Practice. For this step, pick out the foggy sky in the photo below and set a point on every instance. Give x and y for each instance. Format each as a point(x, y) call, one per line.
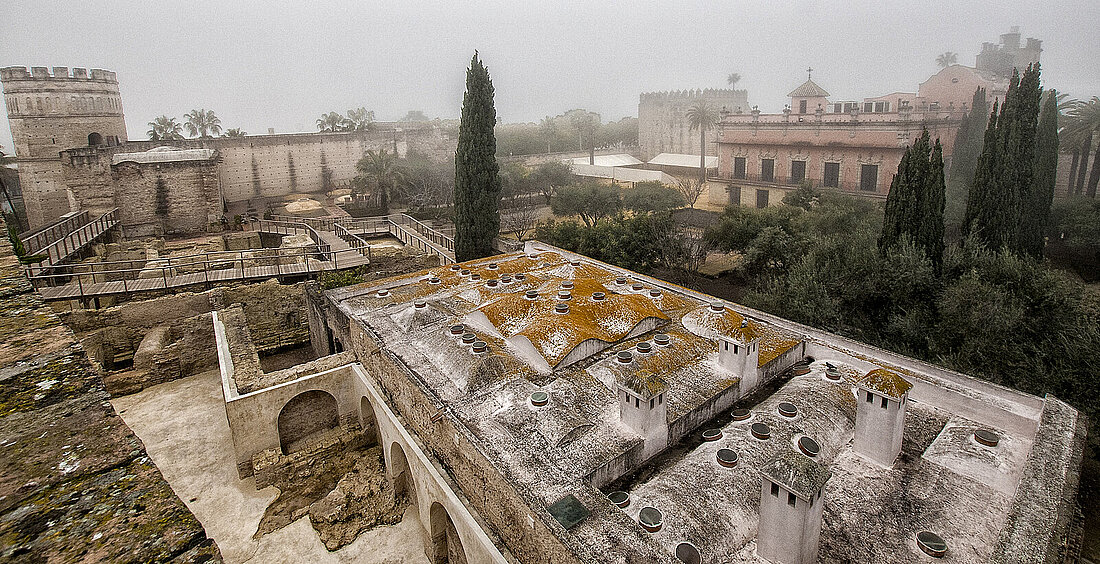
point(282, 64)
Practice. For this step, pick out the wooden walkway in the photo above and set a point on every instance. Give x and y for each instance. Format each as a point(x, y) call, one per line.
point(64, 238)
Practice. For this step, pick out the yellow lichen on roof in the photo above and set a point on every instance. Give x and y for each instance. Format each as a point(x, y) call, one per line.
point(886, 382)
point(726, 323)
point(684, 348)
point(646, 383)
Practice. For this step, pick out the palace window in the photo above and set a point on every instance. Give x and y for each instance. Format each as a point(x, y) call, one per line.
point(802, 106)
point(832, 175)
point(868, 178)
point(798, 171)
point(761, 198)
point(739, 167)
point(767, 169)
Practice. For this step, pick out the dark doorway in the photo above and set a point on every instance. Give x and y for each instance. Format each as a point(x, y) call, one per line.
point(832, 175)
point(767, 170)
point(305, 415)
point(761, 198)
point(94, 139)
point(868, 178)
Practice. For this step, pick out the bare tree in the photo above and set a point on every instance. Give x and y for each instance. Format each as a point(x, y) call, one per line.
point(691, 190)
point(522, 217)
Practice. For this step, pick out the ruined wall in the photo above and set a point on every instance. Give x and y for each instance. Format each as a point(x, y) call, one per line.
point(663, 126)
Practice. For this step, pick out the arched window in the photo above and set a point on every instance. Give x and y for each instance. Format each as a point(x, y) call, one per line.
point(94, 139)
point(307, 414)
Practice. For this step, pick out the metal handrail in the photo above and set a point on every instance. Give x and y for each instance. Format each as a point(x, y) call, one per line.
point(59, 250)
point(38, 239)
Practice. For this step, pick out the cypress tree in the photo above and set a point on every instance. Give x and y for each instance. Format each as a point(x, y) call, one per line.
point(477, 182)
point(1033, 220)
point(968, 141)
point(915, 204)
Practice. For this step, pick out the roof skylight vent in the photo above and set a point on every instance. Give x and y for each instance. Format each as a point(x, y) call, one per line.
point(931, 544)
point(832, 372)
point(480, 347)
point(740, 414)
point(655, 293)
point(717, 307)
point(620, 498)
point(637, 286)
point(531, 294)
point(420, 304)
point(644, 347)
point(539, 398)
point(650, 519)
point(987, 438)
point(475, 276)
point(520, 277)
point(567, 285)
point(492, 282)
point(561, 308)
point(458, 329)
point(620, 280)
point(383, 293)
point(468, 338)
point(688, 553)
point(726, 457)
point(711, 435)
point(464, 272)
point(624, 357)
point(456, 267)
point(808, 446)
point(760, 431)
point(492, 266)
point(564, 295)
point(599, 296)
point(506, 279)
point(434, 280)
point(788, 409)
point(662, 339)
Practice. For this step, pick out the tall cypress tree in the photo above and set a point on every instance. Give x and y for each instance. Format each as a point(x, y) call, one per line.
point(477, 182)
point(1002, 186)
point(1036, 214)
point(968, 142)
point(914, 207)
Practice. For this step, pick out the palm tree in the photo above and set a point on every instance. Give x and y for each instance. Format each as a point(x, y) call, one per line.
point(165, 128)
point(202, 123)
point(331, 122)
point(702, 116)
point(360, 119)
point(1084, 120)
point(947, 59)
point(234, 132)
point(733, 79)
point(380, 170)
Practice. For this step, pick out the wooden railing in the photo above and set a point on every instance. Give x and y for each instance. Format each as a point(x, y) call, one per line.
point(67, 245)
point(34, 241)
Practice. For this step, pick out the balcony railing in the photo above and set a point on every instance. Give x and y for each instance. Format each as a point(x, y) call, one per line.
point(787, 181)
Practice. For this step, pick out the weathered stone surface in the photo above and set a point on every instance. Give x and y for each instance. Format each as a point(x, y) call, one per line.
point(75, 483)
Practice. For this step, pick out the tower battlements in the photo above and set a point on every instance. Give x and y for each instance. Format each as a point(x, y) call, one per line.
point(8, 74)
point(692, 94)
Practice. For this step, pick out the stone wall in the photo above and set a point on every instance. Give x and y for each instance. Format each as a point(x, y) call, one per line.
point(71, 467)
point(663, 126)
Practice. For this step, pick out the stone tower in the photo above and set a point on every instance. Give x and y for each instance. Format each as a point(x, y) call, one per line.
point(791, 504)
point(53, 111)
point(882, 398)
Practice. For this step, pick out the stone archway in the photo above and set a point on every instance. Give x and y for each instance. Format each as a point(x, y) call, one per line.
point(305, 415)
point(401, 475)
point(94, 139)
point(368, 422)
point(445, 546)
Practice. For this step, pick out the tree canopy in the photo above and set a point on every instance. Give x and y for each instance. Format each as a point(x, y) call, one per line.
point(914, 206)
point(591, 200)
point(651, 197)
point(202, 123)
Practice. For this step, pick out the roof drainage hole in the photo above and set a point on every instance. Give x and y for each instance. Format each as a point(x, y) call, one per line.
point(532, 294)
point(434, 280)
point(726, 457)
point(688, 553)
point(760, 431)
point(456, 267)
point(620, 499)
point(788, 409)
point(987, 438)
point(712, 434)
point(740, 414)
point(599, 296)
point(717, 307)
point(540, 398)
point(808, 446)
point(650, 519)
point(931, 544)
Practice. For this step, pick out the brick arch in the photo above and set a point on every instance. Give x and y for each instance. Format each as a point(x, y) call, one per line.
point(446, 545)
point(305, 415)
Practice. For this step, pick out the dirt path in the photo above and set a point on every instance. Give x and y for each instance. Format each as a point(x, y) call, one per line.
point(184, 428)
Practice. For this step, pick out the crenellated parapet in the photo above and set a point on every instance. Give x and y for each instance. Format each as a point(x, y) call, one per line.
point(57, 73)
point(692, 94)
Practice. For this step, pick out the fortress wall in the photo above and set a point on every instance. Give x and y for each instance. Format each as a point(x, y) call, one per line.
point(662, 122)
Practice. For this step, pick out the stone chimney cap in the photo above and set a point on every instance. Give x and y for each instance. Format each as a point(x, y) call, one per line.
point(797, 473)
point(884, 382)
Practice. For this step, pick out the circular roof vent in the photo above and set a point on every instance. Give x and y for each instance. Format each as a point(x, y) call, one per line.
point(564, 295)
point(688, 553)
point(420, 304)
point(506, 279)
point(434, 280)
point(787, 409)
point(492, 266)
point(740, 414)
point(655, 293)
point(458, 329)
point(717, 307)
point(621, 499)
point(808, 446)
point(599, 296)
point(383, 293)
point(567, 285)
point(475, 276)
point(624, 357)
point(760, 431)
point(464, 272)
point(468, 338)
point(987, 438)
point(520, 277)
point(492, 282)
point(712, 435)
point(574, 263)
point(561, 308)
point(480, 347)
point(644, 347)
point(726, 457)
point(931, 544)
point(832, 372)
point(531, 294)
point(620, 280)
point(637, 286)
point(650, 519)
point(662, 339)
point(456, 267)
point(539, 398)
